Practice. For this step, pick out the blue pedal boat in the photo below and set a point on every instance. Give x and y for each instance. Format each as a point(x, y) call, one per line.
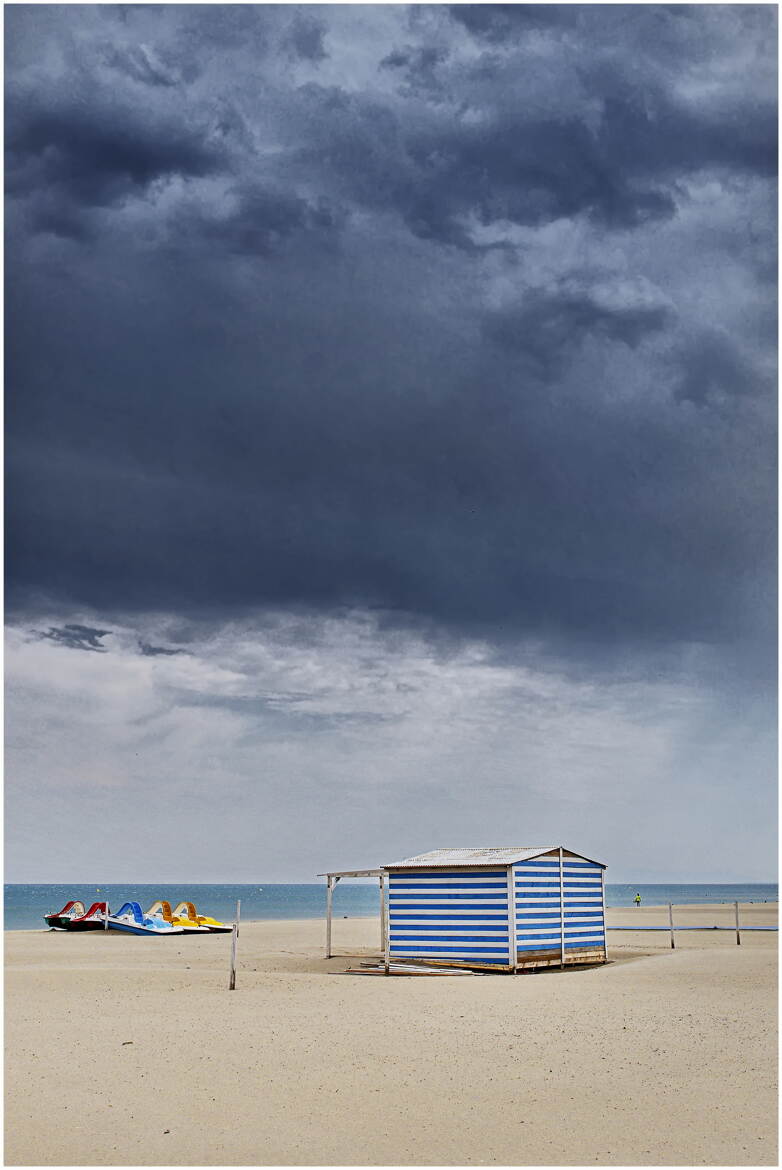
point(132, 920)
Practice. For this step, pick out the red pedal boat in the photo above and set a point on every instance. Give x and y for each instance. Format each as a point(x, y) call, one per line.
point(94, 919)
point(64, 917)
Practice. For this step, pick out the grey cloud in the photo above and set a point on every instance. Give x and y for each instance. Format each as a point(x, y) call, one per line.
point(95, 156)
point(521, 166)
point(145, 66)
point(338, 364)
point(712, 370)
point(505, 167)
point(303, 764)
point(499, 22)
point(260, 221)
point(433, 162)
point(418, 64)
point(77, 637)
point(653, 133)
point(462, 320)
point(150, 651)
point(305, 37)
point(549, 325)
point(48, 214)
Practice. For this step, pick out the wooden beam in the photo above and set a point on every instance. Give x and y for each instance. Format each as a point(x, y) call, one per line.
point(354, 873)
point(329, 891)
point(382, 912)
point(387, 936)
point(561, 910)
point(670, 920)
point(738, 928)
point(512, 952)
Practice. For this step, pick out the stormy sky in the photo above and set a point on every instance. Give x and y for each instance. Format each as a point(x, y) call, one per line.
point(391, 437)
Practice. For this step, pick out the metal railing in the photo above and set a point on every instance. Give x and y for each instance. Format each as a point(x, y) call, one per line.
point(671, 928)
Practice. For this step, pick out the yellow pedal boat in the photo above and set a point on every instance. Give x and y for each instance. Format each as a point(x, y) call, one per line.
point(186, 916)
point(162, 909)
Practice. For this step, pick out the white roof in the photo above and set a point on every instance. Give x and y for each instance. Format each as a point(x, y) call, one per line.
point(497, 856)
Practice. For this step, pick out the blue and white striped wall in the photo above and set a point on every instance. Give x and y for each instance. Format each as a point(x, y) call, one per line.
point(464, 916)
point(538, 910)
point(457, 915)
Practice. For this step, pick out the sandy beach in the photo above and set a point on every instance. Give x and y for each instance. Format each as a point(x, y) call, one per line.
point(131, 1051)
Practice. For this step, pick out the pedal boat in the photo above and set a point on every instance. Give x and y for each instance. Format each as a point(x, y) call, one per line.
point(94, 919)
point(187, 915)
point(132, 920)
point(183, 922)
point(61, 920)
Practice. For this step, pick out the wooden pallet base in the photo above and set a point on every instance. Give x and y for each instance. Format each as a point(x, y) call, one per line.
point(401, 969)
point(554, 958)
point(526, 961)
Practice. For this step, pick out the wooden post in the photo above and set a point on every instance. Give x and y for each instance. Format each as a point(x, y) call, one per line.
point(670, 920)
point(232, 977)
point(512, 952)
point(382, 912)
point(387, 939)
point(329, 889)
point(738, 928)
point(105, 916)
point(561, 911)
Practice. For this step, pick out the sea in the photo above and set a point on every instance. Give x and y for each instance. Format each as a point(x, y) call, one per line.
point(25, 905)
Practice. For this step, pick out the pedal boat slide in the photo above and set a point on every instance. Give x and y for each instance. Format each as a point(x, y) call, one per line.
point(94, 919)
point(186, 913)
point(131, 919)
point(62, 919)
point(186, 916)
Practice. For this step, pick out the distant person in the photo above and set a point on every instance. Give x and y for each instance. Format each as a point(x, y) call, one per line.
point(638, 899)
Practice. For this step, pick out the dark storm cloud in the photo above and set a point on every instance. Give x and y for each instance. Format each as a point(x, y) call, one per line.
point(548, 327)
point(713, 370)
point(418, 65)
point(649, 133)
point(498, 22)
point(408, 308)
point(508, 167)
point(98, 156)
point(66, 159)
point(472, 150)
point(305, 38)
point(150, 651)
point(142, 65)
point(260, 221)
point(77, 637)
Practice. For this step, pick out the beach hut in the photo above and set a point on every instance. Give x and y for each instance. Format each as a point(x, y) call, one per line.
point(502, 909)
